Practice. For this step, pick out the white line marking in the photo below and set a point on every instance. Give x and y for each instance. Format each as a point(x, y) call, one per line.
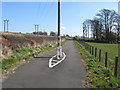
point(51, 59)
point(55, 60)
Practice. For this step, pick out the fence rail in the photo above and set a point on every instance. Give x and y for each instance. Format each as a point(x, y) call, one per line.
point(97, 53)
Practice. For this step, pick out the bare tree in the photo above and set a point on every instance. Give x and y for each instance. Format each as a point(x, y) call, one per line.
point(104, 27)
point(117, 27)
point(96, 28)
point(53, 33)
point(108, 18)
point(86, 28)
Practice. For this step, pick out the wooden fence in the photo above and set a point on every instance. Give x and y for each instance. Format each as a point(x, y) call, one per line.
point(97, 53)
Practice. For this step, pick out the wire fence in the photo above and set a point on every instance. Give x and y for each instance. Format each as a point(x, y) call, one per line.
point(102, 56)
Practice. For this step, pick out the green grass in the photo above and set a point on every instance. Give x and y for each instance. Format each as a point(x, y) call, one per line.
point(24, 54)
point(112, 49)
point(98, 76)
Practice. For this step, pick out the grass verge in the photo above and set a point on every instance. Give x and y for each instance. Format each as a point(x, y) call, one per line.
point(24, 55)
point(98, 76)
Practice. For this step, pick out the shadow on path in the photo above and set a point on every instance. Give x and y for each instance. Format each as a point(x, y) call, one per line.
point(45, 58)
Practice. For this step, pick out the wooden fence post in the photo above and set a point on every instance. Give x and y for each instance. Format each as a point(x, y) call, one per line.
point(116, 66)
point(95, 52)
point(92, 50)
point(106, 59)
point(84, 43)
point(99, 55)
point(85, 46)
point(89, 48)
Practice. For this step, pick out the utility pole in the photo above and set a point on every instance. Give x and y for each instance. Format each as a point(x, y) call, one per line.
point(4, 25)
point(60, 55)
point(37, 28)
point(58, 17)
point(7, 24)
point(59, 48)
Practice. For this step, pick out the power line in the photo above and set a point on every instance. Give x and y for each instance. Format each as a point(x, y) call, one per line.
point(45, 4)
point(50, 6)
point(43, 11)
point(39, 15)
point(43, 8)
point(40, 10)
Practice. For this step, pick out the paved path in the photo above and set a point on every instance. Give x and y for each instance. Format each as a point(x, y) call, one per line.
point(68, 74)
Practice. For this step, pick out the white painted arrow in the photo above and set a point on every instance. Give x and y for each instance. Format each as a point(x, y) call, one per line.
point(56, 62)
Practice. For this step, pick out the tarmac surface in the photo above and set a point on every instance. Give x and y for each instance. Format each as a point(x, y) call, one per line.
point(70, 73)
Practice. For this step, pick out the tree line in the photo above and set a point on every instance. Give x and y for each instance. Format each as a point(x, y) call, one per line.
point(45, 33)
point(105, 26)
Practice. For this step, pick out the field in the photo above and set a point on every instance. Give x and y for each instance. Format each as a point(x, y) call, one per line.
point(112, 49)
